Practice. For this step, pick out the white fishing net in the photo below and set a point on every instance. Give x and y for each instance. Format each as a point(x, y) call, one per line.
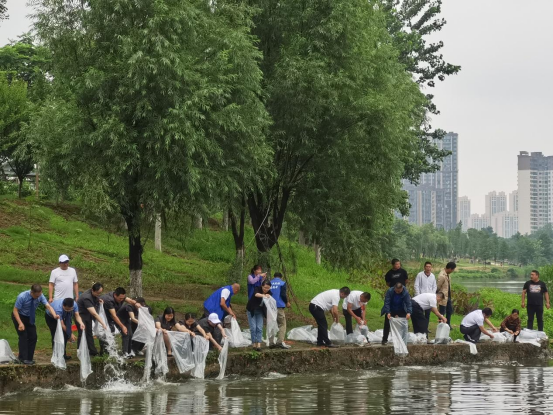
point(272, 314)
point(146, 330)
point(223, 355)
point(58, 351)
point(6, 354)
point(181, 345)
point(201, 348)
point(235, 336)
point(84, 357)
point(159, 353)
point(399, 327)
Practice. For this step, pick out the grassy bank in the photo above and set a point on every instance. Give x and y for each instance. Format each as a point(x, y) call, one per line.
point(191, 266)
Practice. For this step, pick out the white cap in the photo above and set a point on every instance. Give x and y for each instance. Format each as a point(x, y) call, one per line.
point(214, 318)
point(64, 258)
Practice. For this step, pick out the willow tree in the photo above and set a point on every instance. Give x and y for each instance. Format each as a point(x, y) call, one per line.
point(155, 104)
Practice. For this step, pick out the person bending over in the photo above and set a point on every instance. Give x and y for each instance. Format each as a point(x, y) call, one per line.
point(473, 325)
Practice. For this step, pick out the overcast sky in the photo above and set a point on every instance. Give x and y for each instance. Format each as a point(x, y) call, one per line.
point(499, 103)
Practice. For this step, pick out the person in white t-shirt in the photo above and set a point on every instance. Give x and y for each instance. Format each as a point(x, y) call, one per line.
point(473, 325)
point(63, 282)
point(354, 308)
point(421, 304)
point(323, 302)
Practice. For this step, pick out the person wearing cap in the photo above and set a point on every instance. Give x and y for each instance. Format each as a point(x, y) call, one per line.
point(208, 326)
point(66, 309)
point(63, 282)
point(23, 317)
point(219, 301)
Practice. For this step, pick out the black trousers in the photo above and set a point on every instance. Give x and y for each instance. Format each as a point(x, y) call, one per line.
point(447, 311)
point(349, 319)
point(27, 338)
point(535, 310)
point(399, 313)
point(322, 325)
point(420, 322)
point(87, 321)
point(126, 339)
point(52, 324)
point(473, 333)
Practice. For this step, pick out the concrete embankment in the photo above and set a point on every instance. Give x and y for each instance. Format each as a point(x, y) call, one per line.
point(300, 359)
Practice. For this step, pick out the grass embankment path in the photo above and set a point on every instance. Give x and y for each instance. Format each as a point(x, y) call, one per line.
point(33, 235)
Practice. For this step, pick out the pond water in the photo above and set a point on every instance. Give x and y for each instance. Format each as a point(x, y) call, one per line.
point(512, 285)
point(453, 389)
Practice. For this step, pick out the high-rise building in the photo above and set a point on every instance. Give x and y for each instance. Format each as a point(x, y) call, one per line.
point(434, 199)
point(478, 222)
point(463, 211)
point(535, 190)
point(505, 224)
point(495, 203)
point(513, 201)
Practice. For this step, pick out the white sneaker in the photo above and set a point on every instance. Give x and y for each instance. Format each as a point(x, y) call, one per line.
point(285, 346)
point(140, 353)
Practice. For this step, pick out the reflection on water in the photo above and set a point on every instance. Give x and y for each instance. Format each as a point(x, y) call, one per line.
point(461, 389)
point(474, 284)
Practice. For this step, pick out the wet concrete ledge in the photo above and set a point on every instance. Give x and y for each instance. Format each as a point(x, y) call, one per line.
point(19, 378)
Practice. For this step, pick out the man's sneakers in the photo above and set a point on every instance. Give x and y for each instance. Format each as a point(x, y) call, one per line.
point(67, 357)
point(384, 342)
point(28, 362)
point(469, 339)
point(284, 346)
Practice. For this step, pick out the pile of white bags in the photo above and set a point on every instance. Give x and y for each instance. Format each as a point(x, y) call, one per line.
point(419, 338)
point(6, 354)
point(235, 337)
point(84, 357)
point(223, 355)
point(531, 336)
point(201, 348)
point(442, 334)
point(58, 351)
point(357, 339)
point(181, 346)
point(400, 333)
point(302, 334)
point(337, 333)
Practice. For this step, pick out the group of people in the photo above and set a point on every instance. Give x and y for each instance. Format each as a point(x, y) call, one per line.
point(67, 304)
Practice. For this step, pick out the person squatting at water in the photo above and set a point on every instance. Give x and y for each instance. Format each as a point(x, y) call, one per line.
point(23, 317)
point(210, 328)
point(473, 325)
point(397, 303)
point(420, 305)
point(353, 307)
point(511, 324)
point(89, 303)
point(65, 308)
point(167, 322)
point(323, 302)
point(279, 293)
point(256, 311)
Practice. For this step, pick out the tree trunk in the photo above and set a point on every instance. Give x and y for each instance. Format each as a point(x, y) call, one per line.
point(198, 222)
point(19, 188)
point(135, 254)
point(225, 219)
point(317, 249)
point(157, 233)
point(301, 238)
point(237, 227)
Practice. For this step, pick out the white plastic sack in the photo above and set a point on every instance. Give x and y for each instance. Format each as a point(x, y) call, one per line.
point(527, 334)
point(374, 337)
point(442, 334)
point(84, 357)
point(473, 349)
point(6, 354)
point(418, 338)
point(357, 339)
point(58, 350)
point(380, 333)
point(302, 334)
point(337, 333)
point(364, 330)
point(201, 348)
point(272, 314)
point(159, 355)
point(533, 342)
point(400, 330)
point(235, 336)
point(146, 330)
point(148, 357)
point(181, 345)
point(223, 355)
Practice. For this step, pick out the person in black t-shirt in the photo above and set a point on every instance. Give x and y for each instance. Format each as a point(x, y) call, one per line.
point(535, 290)
point(126, 315)
point(165, 323)
point(138, 346)
point(396, 274)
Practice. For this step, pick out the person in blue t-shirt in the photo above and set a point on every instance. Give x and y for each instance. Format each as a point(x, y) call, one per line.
point(23, 317)
point(279, 293)
point(65, 308)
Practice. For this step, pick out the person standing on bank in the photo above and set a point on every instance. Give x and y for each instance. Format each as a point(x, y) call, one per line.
point(323, 302)
point(535, 290)
point(66, 309)
point(353, 307)
point(280, 294)
point(89, 303)
point(23, 317)
point(420, 305)
point(219, 302)
point(444, 286)
point(511, 324)
point(473, 325)
point(396, 274)
point(397, 303)
point(63, 282)
point(426, 283)
point(255, 279)
point(256, 311)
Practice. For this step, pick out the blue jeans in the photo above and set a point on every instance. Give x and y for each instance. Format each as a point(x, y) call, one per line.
point(256, 325)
